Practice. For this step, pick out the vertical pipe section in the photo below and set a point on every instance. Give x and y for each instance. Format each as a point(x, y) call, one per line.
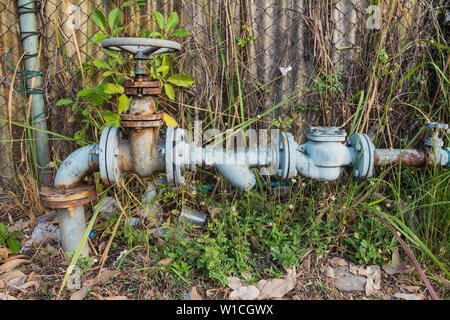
point(72, 225)
point(30, 42)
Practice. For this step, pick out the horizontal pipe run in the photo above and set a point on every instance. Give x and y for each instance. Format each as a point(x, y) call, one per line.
point(407, 157)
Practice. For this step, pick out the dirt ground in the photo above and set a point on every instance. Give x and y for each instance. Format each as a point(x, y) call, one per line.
point(39, 272)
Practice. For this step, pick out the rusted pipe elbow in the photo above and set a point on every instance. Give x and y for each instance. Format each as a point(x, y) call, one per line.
point(77, 166)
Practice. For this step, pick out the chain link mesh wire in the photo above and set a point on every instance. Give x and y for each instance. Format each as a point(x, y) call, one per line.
point(271, 51)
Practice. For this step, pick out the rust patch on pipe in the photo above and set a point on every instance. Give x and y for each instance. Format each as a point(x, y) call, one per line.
point(58, 198)
point(407, 157)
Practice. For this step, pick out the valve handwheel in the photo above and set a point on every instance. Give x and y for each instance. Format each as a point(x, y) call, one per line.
point(141, 48)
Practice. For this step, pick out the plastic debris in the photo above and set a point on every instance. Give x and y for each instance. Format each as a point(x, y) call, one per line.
point(192, 216)
point(42, 233)
point(108, 208)
point(152, 211)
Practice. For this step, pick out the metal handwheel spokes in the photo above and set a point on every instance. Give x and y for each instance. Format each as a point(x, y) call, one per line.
point(141, 48)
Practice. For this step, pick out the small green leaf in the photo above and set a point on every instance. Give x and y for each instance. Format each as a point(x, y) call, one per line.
point(99, 37)
point(154, 34)
point(164, 69)
point(63, 102)
point(101, 64)
point(181, 80)
point(75, 106)
point(83, 94)
point(14, 245)
point(124, 103)
point(116, 31)
point(112, 53)
point(180, 33)
point(108, 115)
point(170, 91)
point(3, 229)
point(14, 233)
point(126, 4)
point(114, 18)
point(99, 19)
point(172, 22)
point(112, 88)
point(159, 19)
point(107, 73)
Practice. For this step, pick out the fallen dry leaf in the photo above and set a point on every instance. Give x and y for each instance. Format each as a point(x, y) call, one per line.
point(245, 293)
point(350, 283)
point(338, 262)
point(410, 288)
point(11, 275)
point(9, 265)
point(82, 293)
point(116, 298)
point(329, 272)
point(213, 211)
point(29, 284)
point(6, 297)
point(14, 284)
point(373, 283)
point(275, 288)
point(408, 296)
point(165, 262)
point(194, 295)
point(234, 283)
point(105, 275)
point(397, 267)
point(74, 280)
point(3, 254)
point(20, 256)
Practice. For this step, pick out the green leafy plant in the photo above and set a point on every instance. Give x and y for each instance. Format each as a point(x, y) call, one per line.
point(160, 65)
point(372, 241)
point(95, 102)
point(9, 238)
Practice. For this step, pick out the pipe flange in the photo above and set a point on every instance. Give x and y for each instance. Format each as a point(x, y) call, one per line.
point(109, 162)
point(364, 151)
point(60, 198)
point(153, 120)
point(174, 170)
point(287, 156)
point(325, 134)
point(143, 87)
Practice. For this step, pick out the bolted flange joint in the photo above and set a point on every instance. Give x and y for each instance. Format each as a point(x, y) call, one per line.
point(364, 155)
point(61, 198)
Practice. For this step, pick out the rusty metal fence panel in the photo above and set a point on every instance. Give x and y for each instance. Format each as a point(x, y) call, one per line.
point(289, 43)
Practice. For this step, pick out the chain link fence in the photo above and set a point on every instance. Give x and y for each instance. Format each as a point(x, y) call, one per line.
point(310, 57)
